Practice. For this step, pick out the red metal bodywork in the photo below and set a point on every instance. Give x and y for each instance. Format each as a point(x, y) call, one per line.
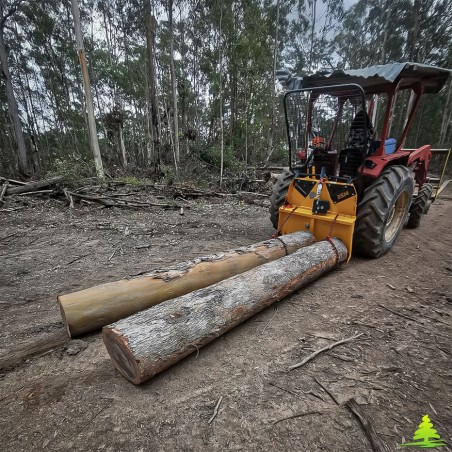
point(418, 160)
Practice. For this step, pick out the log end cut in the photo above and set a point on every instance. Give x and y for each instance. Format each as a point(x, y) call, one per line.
point(63, 317)
point(118, 349)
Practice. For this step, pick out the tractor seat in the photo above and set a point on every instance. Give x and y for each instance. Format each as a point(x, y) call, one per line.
point(349, 162)
point(357, 138)
point(357, 145)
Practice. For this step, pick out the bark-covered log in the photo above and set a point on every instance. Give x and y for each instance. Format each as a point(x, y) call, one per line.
point(146, 343)
point(34, 186)
point(91, 309)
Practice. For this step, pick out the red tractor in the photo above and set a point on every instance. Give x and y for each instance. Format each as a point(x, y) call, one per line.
point(349, 175)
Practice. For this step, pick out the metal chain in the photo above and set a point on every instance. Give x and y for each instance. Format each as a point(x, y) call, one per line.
point(332, 225)
point(329, 239)
point(278, 231)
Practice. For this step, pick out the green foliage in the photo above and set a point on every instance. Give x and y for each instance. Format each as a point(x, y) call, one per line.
point(169, 174)
point(48, 86)
point(73, 171)
point(211, 154)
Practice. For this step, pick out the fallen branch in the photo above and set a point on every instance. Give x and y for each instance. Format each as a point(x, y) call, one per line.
point(252, 193)
point(436, 320)
point(12, 181)
point(34, 186)
point(77, 259)
point(324, 349)
point(182, 191)
point(293, 416)
point(112, 202)
point(400, 314)
point(140, 247)
point(69, 198)
point(281, 388)
point(37, 192)
point(2, 194)
point(333, 397)
point(12, 209)
point(13, 357)
point(369, 429)
point(375, 441)
point(215, 411)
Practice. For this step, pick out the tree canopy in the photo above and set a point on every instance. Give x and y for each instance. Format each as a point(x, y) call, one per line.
point(191, 83)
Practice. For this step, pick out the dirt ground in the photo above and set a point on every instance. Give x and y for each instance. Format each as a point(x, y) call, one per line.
point(71, 398)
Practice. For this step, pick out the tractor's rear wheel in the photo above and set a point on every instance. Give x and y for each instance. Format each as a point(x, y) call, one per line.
point(420, 206)
point(279, 194)
point(382, 212)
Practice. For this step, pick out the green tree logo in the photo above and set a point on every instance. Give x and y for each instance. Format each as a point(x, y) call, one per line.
point(427, 435)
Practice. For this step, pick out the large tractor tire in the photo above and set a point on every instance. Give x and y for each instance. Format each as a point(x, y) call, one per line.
point(420, 206)
point(279, 194)
point(383, 211)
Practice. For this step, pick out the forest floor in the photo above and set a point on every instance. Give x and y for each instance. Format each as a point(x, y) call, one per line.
point(72, 398)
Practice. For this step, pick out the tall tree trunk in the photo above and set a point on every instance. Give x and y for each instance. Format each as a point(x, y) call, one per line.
point(35, 161)
point(413, 32)
point(152, 99)
point(411, 53)
point(12, 106)
point(382, 61)
point(220, 69)
point(313, 21)
point(272, 90)
point(246, 118)
point(122, 145)
point(149, 157)
point(174, 90)
point(89, 100)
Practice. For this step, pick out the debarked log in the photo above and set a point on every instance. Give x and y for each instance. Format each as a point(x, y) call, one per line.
point(93, 308)
point(146, 343)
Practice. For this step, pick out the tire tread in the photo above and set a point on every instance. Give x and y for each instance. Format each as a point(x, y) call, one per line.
point(374, 207)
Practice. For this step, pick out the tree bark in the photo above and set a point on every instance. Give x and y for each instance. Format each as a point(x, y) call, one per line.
point(152, 107)
point(12, 107)
point(93, 308)
point(122, 145)
point(220, 69)
point(272, 91)
point(89, 100)
point(174, 91)
point(34, 186)
point(149, 342)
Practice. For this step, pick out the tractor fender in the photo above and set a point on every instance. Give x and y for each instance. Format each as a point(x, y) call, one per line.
point(416, 159)
point(373, 166)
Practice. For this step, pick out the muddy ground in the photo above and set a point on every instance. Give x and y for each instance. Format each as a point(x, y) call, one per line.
point(71, 397)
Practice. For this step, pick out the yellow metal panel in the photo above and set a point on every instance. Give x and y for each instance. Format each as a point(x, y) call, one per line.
point(338, 222)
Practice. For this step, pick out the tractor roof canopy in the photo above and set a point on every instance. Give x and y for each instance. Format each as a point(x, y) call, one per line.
point(374, 79)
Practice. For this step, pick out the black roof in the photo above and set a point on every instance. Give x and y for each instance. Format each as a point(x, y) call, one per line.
point(373, 79)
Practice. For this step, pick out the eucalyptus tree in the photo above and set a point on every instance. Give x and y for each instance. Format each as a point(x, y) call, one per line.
point(86, 84)
point(7, 11)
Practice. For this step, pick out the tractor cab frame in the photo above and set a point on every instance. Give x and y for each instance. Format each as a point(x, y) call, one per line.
point(368, 85)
